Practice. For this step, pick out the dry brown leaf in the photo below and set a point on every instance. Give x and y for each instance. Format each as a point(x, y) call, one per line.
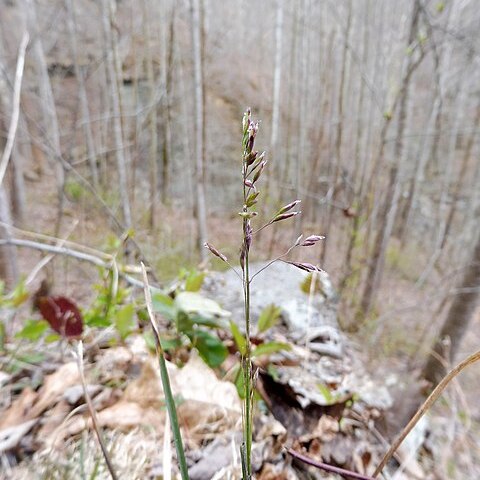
point(196, 381)
point(53, 388)
point(123, 415)
point(53, 418)
point(19, 410)
point(146, 390)
point(325, 430)
point(208, 405)
point(11, 436)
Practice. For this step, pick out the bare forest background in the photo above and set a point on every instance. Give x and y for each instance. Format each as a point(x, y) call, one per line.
point(129, 128)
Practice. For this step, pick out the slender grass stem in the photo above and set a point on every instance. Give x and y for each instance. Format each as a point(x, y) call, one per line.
point(250, 176)
point(169, 400)
point(247, 366)
point(248, 371)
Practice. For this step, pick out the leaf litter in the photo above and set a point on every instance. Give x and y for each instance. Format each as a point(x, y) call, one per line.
point(324, 406)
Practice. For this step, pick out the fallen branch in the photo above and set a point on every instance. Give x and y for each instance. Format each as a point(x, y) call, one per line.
point(475, 357)
point(328, 468)
point(61, 250)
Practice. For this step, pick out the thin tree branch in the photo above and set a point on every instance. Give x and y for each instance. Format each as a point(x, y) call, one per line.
point(70, 253)
point(45, 260)
point(12, 131)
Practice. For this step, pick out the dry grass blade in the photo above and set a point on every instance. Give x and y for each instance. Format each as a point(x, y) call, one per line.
point(93, 414)
point(475, 357)
point(169, 400)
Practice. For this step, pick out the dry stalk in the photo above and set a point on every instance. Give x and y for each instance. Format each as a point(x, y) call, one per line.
point(328, 468)
point(93, 414)
point(475, 357)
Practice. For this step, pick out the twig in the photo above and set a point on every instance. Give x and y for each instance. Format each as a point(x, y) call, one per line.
point(167, 390)
point(45, 260)
point(12, 131)
point(71, 253)
point(423, 409)
point(43, 238)
point(93, 414)
point(328, 468)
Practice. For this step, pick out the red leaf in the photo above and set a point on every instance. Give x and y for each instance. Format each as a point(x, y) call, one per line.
point(62, 315)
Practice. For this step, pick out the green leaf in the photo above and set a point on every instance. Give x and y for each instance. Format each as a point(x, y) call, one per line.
point(33, 358)
point(330, 399)
point(19, 294)
point(269, 348)
point(273, 372)
point(211, 322)
point(53, 337)
point(150, 341)
point(164, 305)
point(194, 281)
point(183, 322)
point(239, 381)
point(239, 338)
point(33, 330)
point(327, 394)
point(306, 285)
point(94, 319)
point(124, 321)
point(269, 317)
point(209, 346)
point(192, 302)
point(252, 199)
point(168, 344)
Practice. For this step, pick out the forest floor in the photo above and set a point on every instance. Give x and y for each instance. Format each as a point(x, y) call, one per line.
point(394, 343)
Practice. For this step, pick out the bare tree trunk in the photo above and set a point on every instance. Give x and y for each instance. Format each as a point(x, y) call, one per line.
point(461, 178)
point(422, 154)
point(117, 121)
point(152, 120)
point(277, 79)
point(445, 186)
point(357, 182)
point(376, 266)
point(339, 133)
point(82, 92)
point(49, 112)
point(302, 121)
point(167, 135)
point(201, 211)
point(292, 97)
point(8, 254)
point(458, 320)
point(15, 166)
